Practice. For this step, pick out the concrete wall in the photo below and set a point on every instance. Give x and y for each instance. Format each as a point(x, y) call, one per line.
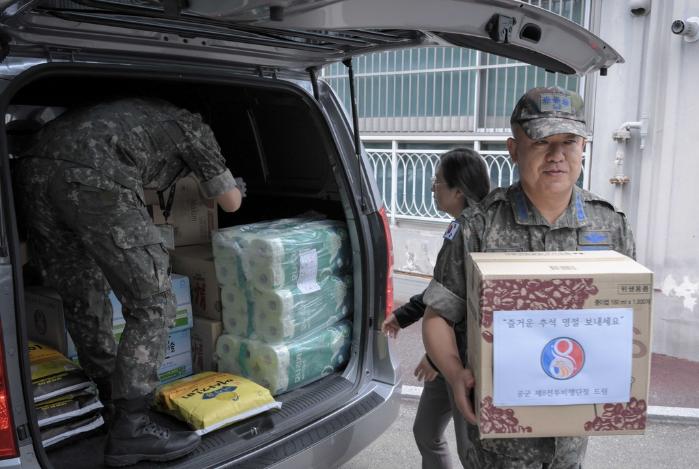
point(658, 87)
point(416, 245)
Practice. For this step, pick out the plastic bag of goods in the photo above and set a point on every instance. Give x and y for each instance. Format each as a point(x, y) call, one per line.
point(208, 401)
point(60, 431)
point(53, 374)
point(68, 406)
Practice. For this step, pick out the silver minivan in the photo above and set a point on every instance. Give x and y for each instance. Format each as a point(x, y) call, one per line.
point(251, 68)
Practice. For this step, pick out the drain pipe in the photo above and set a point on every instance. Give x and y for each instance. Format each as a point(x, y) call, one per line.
point(622, 135)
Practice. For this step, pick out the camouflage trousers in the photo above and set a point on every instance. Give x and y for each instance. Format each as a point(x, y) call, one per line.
point(86, 234)
point(524, 453)
point(435, 410)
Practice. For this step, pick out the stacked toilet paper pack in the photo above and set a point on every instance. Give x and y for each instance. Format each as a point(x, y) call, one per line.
point(288, 365)
point(284, 294)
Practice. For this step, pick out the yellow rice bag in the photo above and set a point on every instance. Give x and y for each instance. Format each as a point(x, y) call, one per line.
point(210, 400)
point(52, 373)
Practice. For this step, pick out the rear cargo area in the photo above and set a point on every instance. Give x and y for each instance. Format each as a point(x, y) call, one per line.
point(289, 252)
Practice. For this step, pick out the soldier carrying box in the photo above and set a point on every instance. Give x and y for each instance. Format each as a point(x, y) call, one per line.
point(545, 211)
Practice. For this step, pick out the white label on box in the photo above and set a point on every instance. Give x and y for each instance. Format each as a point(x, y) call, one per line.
point(562, 357)
point(308, 271)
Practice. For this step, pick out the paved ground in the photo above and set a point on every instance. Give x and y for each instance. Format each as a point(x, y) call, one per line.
point(665, 445)
point(674, 382)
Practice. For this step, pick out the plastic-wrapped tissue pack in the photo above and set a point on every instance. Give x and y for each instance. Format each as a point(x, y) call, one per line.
point(283, 279)
point(285, 253)
point(287, 366)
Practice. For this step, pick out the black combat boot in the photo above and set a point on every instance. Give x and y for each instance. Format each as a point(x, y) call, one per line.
point(133, 437)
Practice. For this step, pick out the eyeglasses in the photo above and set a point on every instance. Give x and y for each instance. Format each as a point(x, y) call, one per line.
point(435, 182)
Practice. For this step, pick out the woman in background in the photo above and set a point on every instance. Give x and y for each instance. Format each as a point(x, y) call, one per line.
point(461, 181)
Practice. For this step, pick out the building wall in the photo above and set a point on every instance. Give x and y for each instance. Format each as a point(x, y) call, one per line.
point(416, 245)
point(658, 87)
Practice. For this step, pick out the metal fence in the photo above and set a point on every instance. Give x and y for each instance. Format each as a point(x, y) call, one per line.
point(404, 175)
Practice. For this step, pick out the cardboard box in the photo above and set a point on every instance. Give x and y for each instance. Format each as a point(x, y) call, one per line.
point(197, 263)
point(175, 367)
point(179, 342)
point(192, 216)
point(574, 328)
point(45, 319)
point(204, 335)
point(181, 289)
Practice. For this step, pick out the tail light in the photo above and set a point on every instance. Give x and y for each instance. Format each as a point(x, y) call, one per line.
point(389, 266)
point(8, 445)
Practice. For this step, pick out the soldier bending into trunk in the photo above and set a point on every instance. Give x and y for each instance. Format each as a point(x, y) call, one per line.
point(81, 185)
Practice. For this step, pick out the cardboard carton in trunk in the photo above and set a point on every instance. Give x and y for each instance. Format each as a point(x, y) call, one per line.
point(192, 216)
point(204, 335)
point(197, 263)
point(45, 319)
point(559, 343)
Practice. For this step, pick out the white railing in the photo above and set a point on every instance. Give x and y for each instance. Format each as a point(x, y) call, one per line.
point(404, 176)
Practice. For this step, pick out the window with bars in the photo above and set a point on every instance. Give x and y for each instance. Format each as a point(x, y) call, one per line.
point(446, 89)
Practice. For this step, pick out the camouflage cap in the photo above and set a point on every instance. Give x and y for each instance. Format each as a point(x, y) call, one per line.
point(542, 112)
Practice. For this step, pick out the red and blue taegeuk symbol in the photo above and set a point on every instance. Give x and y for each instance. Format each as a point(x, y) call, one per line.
point(562, 358)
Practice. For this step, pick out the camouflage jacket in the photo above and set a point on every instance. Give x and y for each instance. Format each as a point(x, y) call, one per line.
point(506, 221)
point(138, 143)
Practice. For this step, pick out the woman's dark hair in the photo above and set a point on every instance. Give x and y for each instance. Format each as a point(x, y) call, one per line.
point(464, 169)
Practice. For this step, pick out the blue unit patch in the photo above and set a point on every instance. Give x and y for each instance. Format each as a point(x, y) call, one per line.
point(592, 247)
point(596, 237)
point(594, 240)
point(522, 209)
point(579, 208)
point(452, 230)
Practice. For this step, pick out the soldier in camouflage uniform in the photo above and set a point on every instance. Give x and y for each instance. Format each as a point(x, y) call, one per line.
point(81, 185)
point(545, 211)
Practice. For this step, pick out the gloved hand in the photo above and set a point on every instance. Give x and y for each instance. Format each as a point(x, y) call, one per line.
point(242, 187)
